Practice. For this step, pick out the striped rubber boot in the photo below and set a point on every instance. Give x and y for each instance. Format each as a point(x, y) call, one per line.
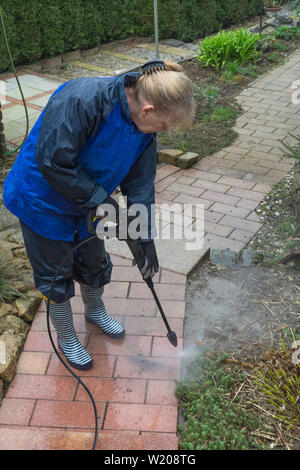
point(95, 312)
point(62, 319)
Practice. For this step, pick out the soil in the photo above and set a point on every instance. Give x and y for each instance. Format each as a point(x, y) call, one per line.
point(252, 313)
point(242, 311)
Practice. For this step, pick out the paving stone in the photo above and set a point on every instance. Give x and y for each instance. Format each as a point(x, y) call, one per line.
point(241, 235)
point(15, 411)
point(141, 417)
point(161, 392)
point(64, 414)
point(28, 438)
point(230, 210)
point(215, 241)
point(187, 160)
point(170, 156)
point(246, 194)
point(42, 387)
point(240, 223)
point(113, 390)
point(155, 368)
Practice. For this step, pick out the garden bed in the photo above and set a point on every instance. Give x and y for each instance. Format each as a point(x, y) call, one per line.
point(215, 93)
point(251, 317)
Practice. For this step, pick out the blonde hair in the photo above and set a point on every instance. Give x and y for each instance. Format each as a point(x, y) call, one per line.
point(169, 90)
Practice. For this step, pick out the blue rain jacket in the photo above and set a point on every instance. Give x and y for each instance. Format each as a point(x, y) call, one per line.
point(83, 146)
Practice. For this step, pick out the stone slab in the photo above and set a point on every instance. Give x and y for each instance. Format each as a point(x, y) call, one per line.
point(172, 254)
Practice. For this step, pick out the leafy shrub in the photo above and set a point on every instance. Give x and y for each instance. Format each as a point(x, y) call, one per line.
point(234, 69)
point(229, 46)
point(286, 32)
point(213, 421)
point(222, 114)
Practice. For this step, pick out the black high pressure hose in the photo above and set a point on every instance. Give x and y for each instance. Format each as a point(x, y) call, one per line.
point(83, 242)
point(133, 248)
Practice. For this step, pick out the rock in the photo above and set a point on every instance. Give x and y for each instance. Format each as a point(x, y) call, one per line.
point(70, 56)
point(173, 43)
point(222, 257)
point(15, 325)
point(254, 29)
point(52, 62)
point(270, 22)
point(28, 279)
point(6, 309)
point(1, 390)
point(248, 257)
point(16, 237)
point(27, 307)
point(187, 160)
point(6, 249)
point(21, 286)
point(269, 29)
point(284, 18)
point(13, 345)
point(169, 156)
point(191, 46)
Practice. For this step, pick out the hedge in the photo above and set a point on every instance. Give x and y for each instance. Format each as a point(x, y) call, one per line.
point(39, 29)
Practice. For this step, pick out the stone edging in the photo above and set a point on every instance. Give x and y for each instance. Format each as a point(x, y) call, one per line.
point(15, 317)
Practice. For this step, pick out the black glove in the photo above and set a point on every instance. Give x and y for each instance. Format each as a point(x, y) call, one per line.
point(102, 213)
point(146, 259)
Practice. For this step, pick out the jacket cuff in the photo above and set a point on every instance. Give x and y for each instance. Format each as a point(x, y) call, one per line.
point(97, 198)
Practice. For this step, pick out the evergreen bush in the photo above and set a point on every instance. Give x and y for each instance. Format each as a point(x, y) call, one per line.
point(38, 30)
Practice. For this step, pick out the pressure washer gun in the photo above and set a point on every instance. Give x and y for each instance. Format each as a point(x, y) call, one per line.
point(136, 251)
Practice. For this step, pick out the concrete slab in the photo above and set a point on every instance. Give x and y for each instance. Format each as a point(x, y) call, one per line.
point(13, 130)
point(32, 81)
point(172, 254)
point(14, 113)
point(27, 92)
point(41, 101)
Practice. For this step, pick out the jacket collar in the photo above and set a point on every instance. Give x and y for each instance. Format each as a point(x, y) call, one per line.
point(127, 79)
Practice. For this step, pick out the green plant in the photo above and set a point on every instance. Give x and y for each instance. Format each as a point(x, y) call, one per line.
point(286, 32)
point(213, 418)
point(272, 3)
point(205, 98)
point(233, 69)
point(222, 114)
point(182, 146)
point(274, 58)
point(292, 151)
point(228, 46)
point(281, 385)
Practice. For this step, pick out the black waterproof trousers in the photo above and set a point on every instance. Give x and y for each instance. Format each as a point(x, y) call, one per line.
point(90, 264)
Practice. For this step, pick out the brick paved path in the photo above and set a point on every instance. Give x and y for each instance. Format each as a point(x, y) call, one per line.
point(133, 379)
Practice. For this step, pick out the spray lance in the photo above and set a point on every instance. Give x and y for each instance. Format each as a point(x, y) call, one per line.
point(137, 253)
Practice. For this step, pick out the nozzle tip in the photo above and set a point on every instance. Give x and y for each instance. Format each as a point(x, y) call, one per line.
point(172, 338)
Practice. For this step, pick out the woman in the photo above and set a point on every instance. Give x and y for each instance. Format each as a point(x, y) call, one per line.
point(94, 135)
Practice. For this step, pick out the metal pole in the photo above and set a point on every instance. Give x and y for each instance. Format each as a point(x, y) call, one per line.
point(156, 29)
point(261, 15)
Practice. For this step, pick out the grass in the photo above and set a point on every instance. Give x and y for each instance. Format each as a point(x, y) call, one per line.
point(213, 418)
